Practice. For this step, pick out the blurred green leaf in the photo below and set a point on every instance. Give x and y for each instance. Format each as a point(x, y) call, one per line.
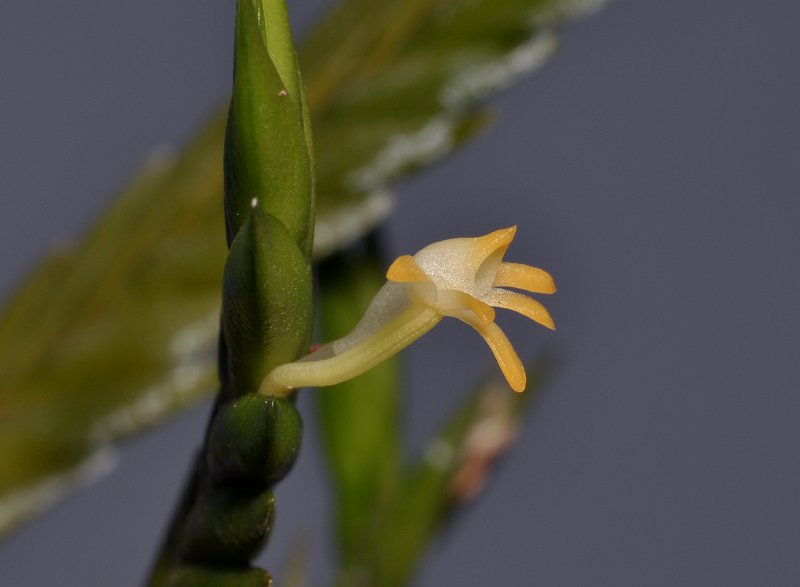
point(113, 335)
point(359, 419)
point(403, 88)
point(451, 473)
point(120, 331)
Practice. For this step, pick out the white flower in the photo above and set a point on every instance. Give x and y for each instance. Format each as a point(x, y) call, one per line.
point(465, 278)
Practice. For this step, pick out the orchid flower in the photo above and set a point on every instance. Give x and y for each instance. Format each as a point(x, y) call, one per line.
point(465, 278)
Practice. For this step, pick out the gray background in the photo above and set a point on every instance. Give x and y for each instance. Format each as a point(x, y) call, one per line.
point(652, 166)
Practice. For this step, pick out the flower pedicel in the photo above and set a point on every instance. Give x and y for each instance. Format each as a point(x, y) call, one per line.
point(465, 278)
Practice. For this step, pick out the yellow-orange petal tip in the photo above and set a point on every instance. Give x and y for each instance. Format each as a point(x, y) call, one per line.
point(404, 270)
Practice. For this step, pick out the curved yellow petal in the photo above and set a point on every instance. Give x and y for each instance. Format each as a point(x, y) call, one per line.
point(405, 269)
point(453, 299)
point(524, 277)
point(504, 353)
point(499, 240)
point(526, 306)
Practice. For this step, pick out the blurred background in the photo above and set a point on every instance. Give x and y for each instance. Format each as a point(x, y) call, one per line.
point(653, 166)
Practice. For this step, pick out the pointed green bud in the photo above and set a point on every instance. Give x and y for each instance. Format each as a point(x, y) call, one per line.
point(267, 145)
point(278, 39)
point(255, 438)
point(228, 526)
point(283, 55)
point(266, 302)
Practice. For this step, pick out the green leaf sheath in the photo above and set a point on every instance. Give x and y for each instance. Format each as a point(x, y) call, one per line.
point(267, 157)
point(393, 85)
point(267, 308)
point(228, 509)
point(254, 439)
point(360, 418)
point(267, 302)
point(228, 525)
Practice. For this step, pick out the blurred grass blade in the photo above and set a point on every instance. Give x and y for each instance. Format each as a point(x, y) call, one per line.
point(119, 331)
point(451, 473)
point(360, 418)
point(297, 566)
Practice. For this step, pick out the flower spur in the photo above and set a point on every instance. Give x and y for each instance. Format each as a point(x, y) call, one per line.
point(465, 278)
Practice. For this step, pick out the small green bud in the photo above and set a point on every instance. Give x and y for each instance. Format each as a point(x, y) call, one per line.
point(228, 526)
point(266, 303)
point(255, 438)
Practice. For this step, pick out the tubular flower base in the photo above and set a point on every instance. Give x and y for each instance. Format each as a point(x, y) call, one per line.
point(465, 278)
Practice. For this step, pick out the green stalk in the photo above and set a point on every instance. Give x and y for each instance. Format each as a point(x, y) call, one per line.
point(226, 515)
